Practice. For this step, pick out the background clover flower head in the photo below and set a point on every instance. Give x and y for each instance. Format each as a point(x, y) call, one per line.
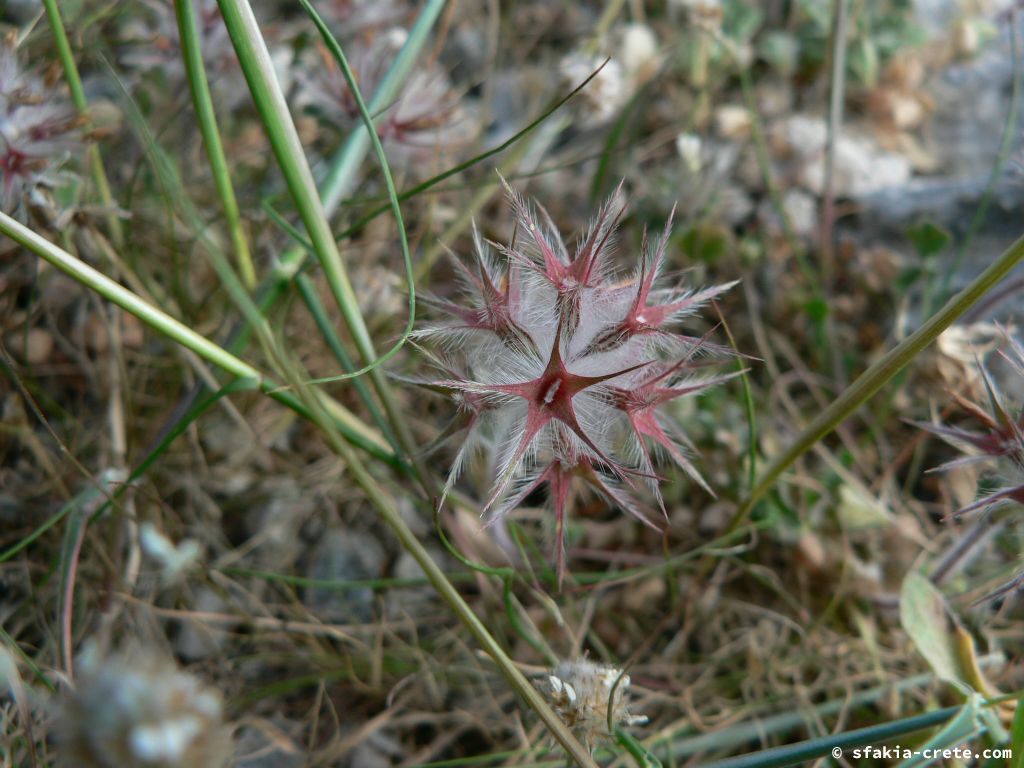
point(350, 17)
point(1001, 439)
point(425, 121)
point(562, 366)
point(38, 131)
point(154, 47)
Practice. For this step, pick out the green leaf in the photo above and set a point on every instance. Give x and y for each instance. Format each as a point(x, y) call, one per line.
point(928, 239)
point(925, 617)
point(967, 724)
point(816, 309)
point(859, 510)
point(864, 65)
point(1017, 737)
point(741, 21)
point(642, 756)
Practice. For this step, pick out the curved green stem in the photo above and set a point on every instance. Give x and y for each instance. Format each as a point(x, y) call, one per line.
point(67, 60)
point(257, 66)
point(875, 377)
point(353, 429)
point(192, 55)
point(530, 695)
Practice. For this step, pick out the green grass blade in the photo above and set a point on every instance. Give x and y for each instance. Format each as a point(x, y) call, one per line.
point(67, 59)
point(326, 328)
point(1017, 736)
point(266, 91)
point(881, 372)
point(353, 429)
point(192, 56)
point(796, 754)
point(389, 183)
point(323, 323)
point(126, 299)
point(344, 168)
point(342, 174)
point(27, 660)
point(171, 180)
point(423, 186)
point(284, 139)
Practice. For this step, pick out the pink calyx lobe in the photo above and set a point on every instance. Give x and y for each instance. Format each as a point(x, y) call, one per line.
point(641, 401)
point(549, 397)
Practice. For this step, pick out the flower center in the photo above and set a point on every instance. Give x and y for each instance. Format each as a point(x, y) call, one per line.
point(551, 390)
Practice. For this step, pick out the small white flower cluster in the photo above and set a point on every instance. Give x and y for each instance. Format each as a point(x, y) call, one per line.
point(175, 560)
point(618, 74)
point(603, 96)
point(581, 693)
point(138, 709)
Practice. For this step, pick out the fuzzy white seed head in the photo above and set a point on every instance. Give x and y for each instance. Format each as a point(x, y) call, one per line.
point(581, 694)
point(688, 146)
point(606, 93)
point(638, 52)
point(137, 709)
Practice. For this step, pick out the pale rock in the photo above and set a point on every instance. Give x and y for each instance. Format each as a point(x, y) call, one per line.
point(688, 147)
point(344, 555)
point(198, 639)
point(638, 52)
point(801, 210)
point(732, 121)
point(861, 166)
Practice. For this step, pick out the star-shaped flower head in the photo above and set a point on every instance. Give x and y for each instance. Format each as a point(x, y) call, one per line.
point(563, 368)
point(1001, 439)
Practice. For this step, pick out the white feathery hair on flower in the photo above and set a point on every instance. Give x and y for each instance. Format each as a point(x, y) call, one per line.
point(560, 365)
